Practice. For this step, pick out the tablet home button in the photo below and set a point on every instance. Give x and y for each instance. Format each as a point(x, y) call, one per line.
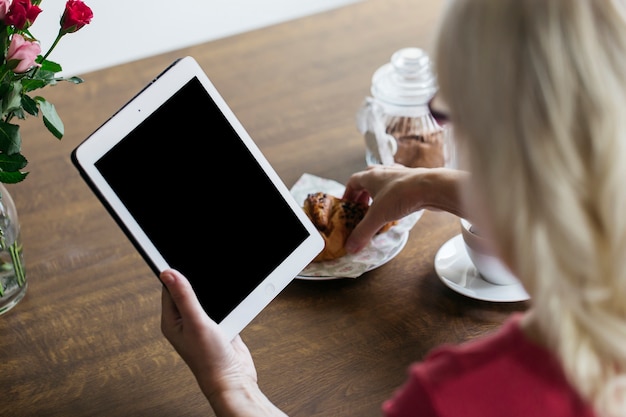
point(270, 289)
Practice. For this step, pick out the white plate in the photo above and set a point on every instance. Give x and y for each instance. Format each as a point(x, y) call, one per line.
point(455, 269)
point(380, 250)
point(346, 262)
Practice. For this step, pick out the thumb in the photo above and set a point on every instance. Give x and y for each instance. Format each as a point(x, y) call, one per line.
point(182, 294)
point(363, 233)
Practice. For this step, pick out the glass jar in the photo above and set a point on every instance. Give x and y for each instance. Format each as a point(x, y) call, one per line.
point(13, 284)
point(396, 122)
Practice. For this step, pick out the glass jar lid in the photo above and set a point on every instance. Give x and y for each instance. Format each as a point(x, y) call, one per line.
point(407, 80)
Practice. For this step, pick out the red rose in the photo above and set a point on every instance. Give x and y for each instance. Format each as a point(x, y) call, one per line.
point(76, 15)
point(21, 14)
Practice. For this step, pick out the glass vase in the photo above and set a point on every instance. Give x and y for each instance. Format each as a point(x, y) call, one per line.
point(13, 284)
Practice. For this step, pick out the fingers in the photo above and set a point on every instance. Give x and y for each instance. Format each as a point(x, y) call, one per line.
point(358, 240)
point(364, 231)
point(355, 191)
point(361, 187)
point(169, 312)
point(365, 184)
point(179, 301)
point(362, 196)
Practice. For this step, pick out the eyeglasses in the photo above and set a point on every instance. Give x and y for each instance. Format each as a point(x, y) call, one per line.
point(440, 115)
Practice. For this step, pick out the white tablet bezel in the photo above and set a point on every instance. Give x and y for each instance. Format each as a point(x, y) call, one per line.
point(126, 120)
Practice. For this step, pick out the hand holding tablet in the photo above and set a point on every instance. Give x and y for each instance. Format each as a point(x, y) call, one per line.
point(149, 166)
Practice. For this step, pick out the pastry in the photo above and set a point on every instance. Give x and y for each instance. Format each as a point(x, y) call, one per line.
point(335, 219)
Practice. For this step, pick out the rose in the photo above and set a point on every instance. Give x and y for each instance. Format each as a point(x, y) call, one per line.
point(24, 70)
point(4, 8)
point(21, 14)
point(76, 15)
point(24, 52)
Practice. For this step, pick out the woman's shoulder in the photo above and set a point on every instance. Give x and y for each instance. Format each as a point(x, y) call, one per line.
point(504, 373)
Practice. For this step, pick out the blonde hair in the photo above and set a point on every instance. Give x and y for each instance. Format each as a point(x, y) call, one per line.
point(537, 95)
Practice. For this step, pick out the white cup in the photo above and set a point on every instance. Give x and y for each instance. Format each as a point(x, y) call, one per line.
point(487, 265)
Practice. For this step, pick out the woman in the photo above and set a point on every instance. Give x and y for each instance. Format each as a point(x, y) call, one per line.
point(535, 90)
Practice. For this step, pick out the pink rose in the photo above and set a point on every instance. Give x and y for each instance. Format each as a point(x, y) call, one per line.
point(24, 52)
point(76, 15)
point(21, 14)
point(4, 8)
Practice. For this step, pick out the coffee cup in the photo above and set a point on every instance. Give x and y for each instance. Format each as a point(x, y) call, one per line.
point(490, 268)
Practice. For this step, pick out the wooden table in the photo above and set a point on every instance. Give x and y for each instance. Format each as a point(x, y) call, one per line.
point(85, 341)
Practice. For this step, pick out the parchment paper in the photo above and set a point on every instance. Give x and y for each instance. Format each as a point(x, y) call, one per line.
point(381, 250)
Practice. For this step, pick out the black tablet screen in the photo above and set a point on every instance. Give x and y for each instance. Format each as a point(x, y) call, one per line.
point(202, 198)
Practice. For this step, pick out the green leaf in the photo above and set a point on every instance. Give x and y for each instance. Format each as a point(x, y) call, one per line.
point(73, 80)
point(30, 105)
point(50, 66)
point(4, 88)
point(50, 117)
point(34, 84)
point(11, 163)
point(10, 166)
point(38, 78)
point(3, 37)
point(43, 74)
point(12, 63)
point(12, 177)
point(12, 100)
point(10, 140)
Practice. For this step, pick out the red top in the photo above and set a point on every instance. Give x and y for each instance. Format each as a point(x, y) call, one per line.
point(503, 374)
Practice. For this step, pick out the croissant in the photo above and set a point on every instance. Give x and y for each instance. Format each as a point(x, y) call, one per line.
point(335, 219)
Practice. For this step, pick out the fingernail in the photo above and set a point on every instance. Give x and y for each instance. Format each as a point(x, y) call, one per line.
point(351, 247)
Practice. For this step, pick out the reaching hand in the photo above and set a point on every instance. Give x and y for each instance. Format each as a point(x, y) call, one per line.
point(397, 191)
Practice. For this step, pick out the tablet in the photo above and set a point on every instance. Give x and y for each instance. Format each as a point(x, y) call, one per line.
point(191, 190)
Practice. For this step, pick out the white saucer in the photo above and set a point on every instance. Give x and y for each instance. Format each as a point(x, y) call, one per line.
point(455, 269)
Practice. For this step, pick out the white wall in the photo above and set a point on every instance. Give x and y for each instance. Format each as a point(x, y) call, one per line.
point(123, 31)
